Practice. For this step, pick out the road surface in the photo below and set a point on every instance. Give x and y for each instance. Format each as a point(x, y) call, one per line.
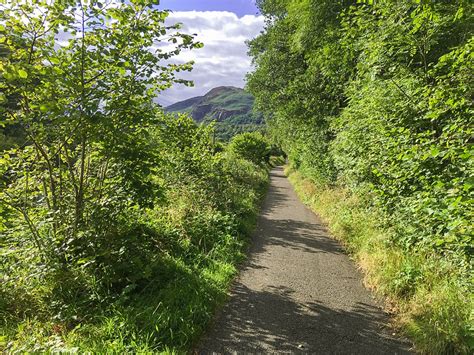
point(298, 292)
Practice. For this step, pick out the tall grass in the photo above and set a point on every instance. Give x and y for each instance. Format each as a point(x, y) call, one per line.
point(430, 296)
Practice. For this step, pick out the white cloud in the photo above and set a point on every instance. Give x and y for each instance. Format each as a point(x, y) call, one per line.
point(223, 60)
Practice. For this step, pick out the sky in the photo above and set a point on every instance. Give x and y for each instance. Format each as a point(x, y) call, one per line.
point(239, 7)
point(223, 26)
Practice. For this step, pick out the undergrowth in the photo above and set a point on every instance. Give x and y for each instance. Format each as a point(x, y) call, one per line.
point(430, 295)
point(158, 283)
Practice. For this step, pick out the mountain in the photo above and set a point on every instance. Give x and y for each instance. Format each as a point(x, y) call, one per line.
point(230, 107)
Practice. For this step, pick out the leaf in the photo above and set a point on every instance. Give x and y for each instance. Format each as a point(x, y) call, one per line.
point(23, 74)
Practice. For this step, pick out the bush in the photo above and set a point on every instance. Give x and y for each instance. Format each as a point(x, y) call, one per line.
point(252, 147)
point(148, 278)
point(120, 226)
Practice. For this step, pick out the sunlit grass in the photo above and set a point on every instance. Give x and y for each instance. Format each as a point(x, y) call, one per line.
point(429, 295)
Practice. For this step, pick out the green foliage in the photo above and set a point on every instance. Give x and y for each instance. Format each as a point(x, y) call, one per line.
point(201, 225)
point(252, 147)
point(376, 97)
point(431, 294)
point(149, 279)
point(84, 105)
point(120, 225)
point(414, 155)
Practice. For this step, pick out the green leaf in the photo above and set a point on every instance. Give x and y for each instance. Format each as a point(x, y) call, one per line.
point(23, 74)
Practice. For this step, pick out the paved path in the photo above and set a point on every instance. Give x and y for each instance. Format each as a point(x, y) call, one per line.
point(298, 292)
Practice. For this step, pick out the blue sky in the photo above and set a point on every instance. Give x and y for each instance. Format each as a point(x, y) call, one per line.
point(239, 7)
point(223, 26)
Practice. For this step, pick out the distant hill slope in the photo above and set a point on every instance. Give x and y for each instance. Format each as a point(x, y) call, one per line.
point(231, 107)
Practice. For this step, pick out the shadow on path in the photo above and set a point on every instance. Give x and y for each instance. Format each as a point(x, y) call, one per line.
point(298, 291)
point(269, 320)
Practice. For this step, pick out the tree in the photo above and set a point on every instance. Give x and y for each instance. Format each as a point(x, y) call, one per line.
point(79, 78)
point(251, 146)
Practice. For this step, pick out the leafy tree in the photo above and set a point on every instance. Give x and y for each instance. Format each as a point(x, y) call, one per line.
point(348, 89)
point(79, 78)
point(110, 209)
point(251, 146)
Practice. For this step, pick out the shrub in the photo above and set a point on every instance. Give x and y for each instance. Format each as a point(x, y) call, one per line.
point(252, 147)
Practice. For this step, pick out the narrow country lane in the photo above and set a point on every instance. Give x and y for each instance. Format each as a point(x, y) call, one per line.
point(298, 291)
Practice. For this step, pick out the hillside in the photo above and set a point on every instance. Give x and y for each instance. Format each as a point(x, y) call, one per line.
point(230, 107)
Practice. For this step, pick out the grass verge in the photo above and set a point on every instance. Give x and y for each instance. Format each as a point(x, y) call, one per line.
point(429, 295)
